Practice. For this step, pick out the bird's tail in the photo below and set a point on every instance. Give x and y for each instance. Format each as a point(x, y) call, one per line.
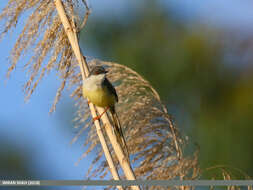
point(119, 132)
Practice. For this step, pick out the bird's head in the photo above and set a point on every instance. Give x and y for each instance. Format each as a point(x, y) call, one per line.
point(98, 70)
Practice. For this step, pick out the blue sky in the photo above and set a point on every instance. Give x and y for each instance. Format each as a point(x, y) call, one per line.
point(29, 127)
point(226, 13)
point(233, 15)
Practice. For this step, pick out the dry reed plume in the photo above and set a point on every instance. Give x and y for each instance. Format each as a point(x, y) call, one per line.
point(146, 125)
point(153, 141)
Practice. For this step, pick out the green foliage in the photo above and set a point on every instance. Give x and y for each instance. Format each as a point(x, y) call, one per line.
point(211, 98)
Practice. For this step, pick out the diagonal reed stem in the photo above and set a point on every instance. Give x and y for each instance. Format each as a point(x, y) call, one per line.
point(72, 36)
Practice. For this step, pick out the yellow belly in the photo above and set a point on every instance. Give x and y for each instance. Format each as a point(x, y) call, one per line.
point(100, 97)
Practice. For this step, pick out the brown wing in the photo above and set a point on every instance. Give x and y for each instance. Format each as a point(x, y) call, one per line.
point(110, 87)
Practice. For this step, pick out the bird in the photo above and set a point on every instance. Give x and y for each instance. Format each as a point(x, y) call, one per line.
point(99, 91)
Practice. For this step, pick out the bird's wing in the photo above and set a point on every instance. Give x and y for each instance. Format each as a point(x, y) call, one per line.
point(110, 87)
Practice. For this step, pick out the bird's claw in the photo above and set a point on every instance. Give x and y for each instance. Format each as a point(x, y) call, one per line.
point(96, 118)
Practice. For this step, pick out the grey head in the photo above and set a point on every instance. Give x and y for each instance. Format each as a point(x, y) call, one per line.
point(98, 70)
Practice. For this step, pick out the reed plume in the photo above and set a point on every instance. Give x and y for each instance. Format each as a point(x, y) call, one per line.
point(146, 125)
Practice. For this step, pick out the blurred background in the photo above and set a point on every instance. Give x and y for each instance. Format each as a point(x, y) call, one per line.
point(197, 55)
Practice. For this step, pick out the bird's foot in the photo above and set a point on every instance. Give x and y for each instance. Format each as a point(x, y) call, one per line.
point(96, 118)
point(99, 116)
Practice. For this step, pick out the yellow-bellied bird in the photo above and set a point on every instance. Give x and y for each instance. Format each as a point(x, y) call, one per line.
point(98, 89)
